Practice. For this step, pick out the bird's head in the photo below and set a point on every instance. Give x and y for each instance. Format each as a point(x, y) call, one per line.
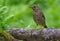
point(34, 7)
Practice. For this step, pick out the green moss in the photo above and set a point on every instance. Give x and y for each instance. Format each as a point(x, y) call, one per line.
point(4, 36)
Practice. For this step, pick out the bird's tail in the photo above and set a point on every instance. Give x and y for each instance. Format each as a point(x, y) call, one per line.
point(45, 26)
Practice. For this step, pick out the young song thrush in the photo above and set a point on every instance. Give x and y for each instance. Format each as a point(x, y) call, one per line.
point(38, 16)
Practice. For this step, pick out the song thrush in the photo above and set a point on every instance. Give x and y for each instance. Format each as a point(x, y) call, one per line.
point(38, 16)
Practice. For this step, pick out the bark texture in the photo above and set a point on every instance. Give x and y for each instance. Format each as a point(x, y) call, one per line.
point(4, 36)
point(45, 34)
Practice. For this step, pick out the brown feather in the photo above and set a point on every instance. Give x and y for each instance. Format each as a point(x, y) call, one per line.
point(38, 16)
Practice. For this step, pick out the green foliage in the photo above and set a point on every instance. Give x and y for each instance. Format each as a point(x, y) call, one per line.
point(16, 13)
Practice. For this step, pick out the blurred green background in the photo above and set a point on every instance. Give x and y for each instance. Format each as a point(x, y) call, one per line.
point(17, 14)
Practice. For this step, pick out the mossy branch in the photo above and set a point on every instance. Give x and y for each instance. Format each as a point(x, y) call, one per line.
point(4, 36)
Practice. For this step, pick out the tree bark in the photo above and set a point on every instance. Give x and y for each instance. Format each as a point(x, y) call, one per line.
point(4, 36)
point(45, 34)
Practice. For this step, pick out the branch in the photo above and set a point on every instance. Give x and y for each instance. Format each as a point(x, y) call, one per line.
point(4, 36)
point(45, 34)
